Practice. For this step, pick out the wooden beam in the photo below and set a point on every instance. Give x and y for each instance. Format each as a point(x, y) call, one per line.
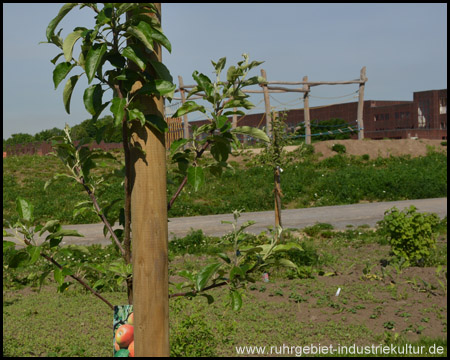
point(266, 103)
point(149, 228)
point(306, 111)
point(361, 104)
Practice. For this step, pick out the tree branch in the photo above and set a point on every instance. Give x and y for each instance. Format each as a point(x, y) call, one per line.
point(53, 261)
point(197, 292)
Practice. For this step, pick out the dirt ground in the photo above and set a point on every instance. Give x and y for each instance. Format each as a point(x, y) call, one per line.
point(383, 148)
point(373, 148)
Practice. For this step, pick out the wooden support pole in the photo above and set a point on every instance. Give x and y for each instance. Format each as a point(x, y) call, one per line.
point(149, 228)
point(266, 102)
point(361, 104)
point(234, 123)
point(183, 100)
point(306, 112)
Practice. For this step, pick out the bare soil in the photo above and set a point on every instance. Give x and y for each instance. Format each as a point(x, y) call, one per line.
point(374, 148)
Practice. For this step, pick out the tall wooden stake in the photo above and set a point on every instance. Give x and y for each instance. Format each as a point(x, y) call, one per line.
point(150, 232)
point(234, 122)
point(183, 100)
point(361, 104)
point(306, 112)
point(267, 103)
point(277, 181)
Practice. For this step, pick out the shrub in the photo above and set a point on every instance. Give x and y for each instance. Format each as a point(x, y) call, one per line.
point(365, 157)
point(339, 148)
point(193, 338)
point(410, 233)
point(317, 229)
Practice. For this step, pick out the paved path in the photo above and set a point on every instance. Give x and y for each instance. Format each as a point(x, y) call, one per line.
point(338, 216)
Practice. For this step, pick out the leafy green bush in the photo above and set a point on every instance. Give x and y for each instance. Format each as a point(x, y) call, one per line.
point(410, 233)
point(194, 243)
point(192, 337)
point(317, 229)
point(339, 148)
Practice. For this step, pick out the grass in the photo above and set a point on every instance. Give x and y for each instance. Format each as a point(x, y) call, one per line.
point(305, 182)
point(292, 310)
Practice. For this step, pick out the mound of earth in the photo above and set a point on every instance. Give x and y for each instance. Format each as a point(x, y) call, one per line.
point(383, 148)
point(374, 148)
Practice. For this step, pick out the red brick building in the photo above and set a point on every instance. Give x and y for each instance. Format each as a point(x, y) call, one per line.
point(425, 117)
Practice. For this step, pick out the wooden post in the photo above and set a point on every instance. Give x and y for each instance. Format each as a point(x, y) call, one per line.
point(306, 112)
point(234, 123)
point(361, 104)
point(183, 100)
point(277, 190)
point(277, 182)
point(267, 103)
point(150, 231)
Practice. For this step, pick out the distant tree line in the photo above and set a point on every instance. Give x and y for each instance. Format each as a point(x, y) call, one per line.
point(91, 129)
point(324, 127)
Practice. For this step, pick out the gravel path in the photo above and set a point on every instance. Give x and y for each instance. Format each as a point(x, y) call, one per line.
point(338, 216)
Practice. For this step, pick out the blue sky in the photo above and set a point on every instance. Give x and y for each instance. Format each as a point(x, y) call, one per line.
point(403, 46)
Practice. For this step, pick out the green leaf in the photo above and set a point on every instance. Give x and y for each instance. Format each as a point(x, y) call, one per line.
point(196, 177)
point(253, 81)
point(157, 122)
point(50, 226)
point(187, 275)
point(236, 271)
point(287, 247)
point(68, 90)
point(54, 23)
point(232, 73)
point(224, 256)
point(162, 71)
point(188, 107)
point(19, 259)
point(48, 182)
point(69, 43)
point(133, 53)
point(92, 98)
point(239, 103)
point(203, 82)
point(220, 151)
point(60, 72)
point(176, 145)
point(251, 131)
point(118, 110)
point(157, 87)
point(219, 65)
point(136, 114)
point(205, 275)
point(160, 38)
point(57, 273)
point(236, 300)
point(55, 59)
point(140, 35)
point(94, 59)
point(105, 15)
point(62, 233)
point(24, 209)
point(209, 297)
point(35, 252)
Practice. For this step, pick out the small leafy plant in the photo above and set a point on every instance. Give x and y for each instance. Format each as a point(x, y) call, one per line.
point(235, 271)
point(410, 233)
point(339, 148)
